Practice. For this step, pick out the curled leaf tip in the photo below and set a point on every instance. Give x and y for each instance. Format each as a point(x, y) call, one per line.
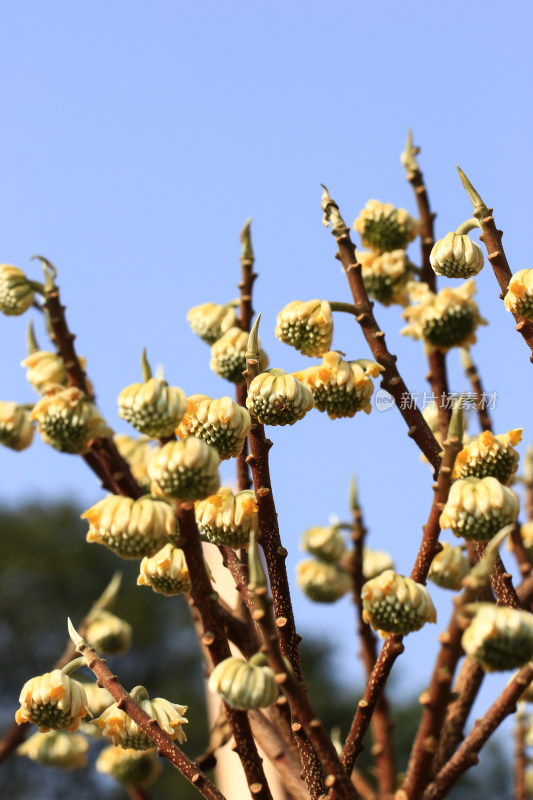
point(31, 341)
point(256, 571)
point(354, 499)
point(408, 157)
point(456, 428)
point(247, 253)
point(77, 640)
point(253, 340)
point(145, 365)
point(109, 595)
point(50, 272)
point(475, 198)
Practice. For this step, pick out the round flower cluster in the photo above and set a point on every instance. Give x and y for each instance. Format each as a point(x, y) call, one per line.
point(245, 684)
point(384, 228)
point(16, 292)
point(477, 508)
point(307, 326)
point(278, 399)
point(489, 455)
point(166, 572)
point(153, 407)
point(222, 423)
point(443, 320)
point(393, 603)
point(456, 256)
point(386, 275)
point(499, 638)
point(228, 519)
point(137, 768)
point(341, 388)
point(53, 700)
point(210, 321)
point(228, 356)
point(126, 733)
point(56, 749)
point(519, 297)
point(16, 428)
point(449, 567)
point(68, 421)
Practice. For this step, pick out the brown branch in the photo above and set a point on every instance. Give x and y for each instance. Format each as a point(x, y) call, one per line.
point(492, 239)
point(438, 380)
point(393, 643)
point(282, 757)
point(383, 748)
point(215, 641)
point(165, 746)
point(391, 379)
point(472, 373)
point(501, 581)
point(467, 755)
point(297, 697)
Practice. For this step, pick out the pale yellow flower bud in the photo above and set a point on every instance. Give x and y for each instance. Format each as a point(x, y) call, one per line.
point(326, 543)
point(131, 767)
point(126, 733)
point(137, 453)
point(16, 293)
point(478, 508)
point(108, 634)
point(489, 455)
point(186, 470)
point(153, 408)
point(52, 700)
point(444, 320)
point(393, 603)
point(386, 275)
point(227, 518)
point(321, 582)
point(375, 562)
point(228, 356)
point(456, 256)
point(16, 428)
point(222, 423)
point(449, 567)
point(244, 684)
point(166, 572)
point(210, 321)
point(56, 749)
point(341, 388)
point(499, 638)
point(307, 326)
point(519, 297)
point(45, 370)
point(384, 227)
point(130, 528)
point(68, 421)
point(278, 399)
point(98, 698)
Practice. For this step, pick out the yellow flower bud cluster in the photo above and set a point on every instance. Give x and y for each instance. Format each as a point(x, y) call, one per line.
point(228, 519)
point(386, 275)
point(45, 370)
point(244, 684)
point(68, 421)
point(278, 399)
point(393, 603)
point(52, 700)
point(375, 562)
point(137, 768)
point(341, 388)
point(222, 423)
point(16, 293)
point(166, 572)
point(477, 508)
point(210, 321)
point(324, 542)
point(489, 455)
point(126, 733)
point(153, 407)
point(384, 228)
point(186, 470)
point(130, 528)
point(228, 356)
point(322, 582)
point(56, 749)
point(16, 428)
point(499, 638)
point(519, 297)
point(456, 256)
point(307, 326)
point(109, 634)
point(449, 567)
point(444, 320)
point(137, 453)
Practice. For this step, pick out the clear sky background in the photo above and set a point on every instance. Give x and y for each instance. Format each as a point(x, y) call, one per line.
point(136, 140)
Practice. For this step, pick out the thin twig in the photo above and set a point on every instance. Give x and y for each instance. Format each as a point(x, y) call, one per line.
point(216, 643)
point(467, 755)
point(520, 760)
point(391, 379)
point(165, 746)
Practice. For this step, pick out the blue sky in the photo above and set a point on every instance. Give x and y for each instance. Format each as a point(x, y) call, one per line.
point(138, 138)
